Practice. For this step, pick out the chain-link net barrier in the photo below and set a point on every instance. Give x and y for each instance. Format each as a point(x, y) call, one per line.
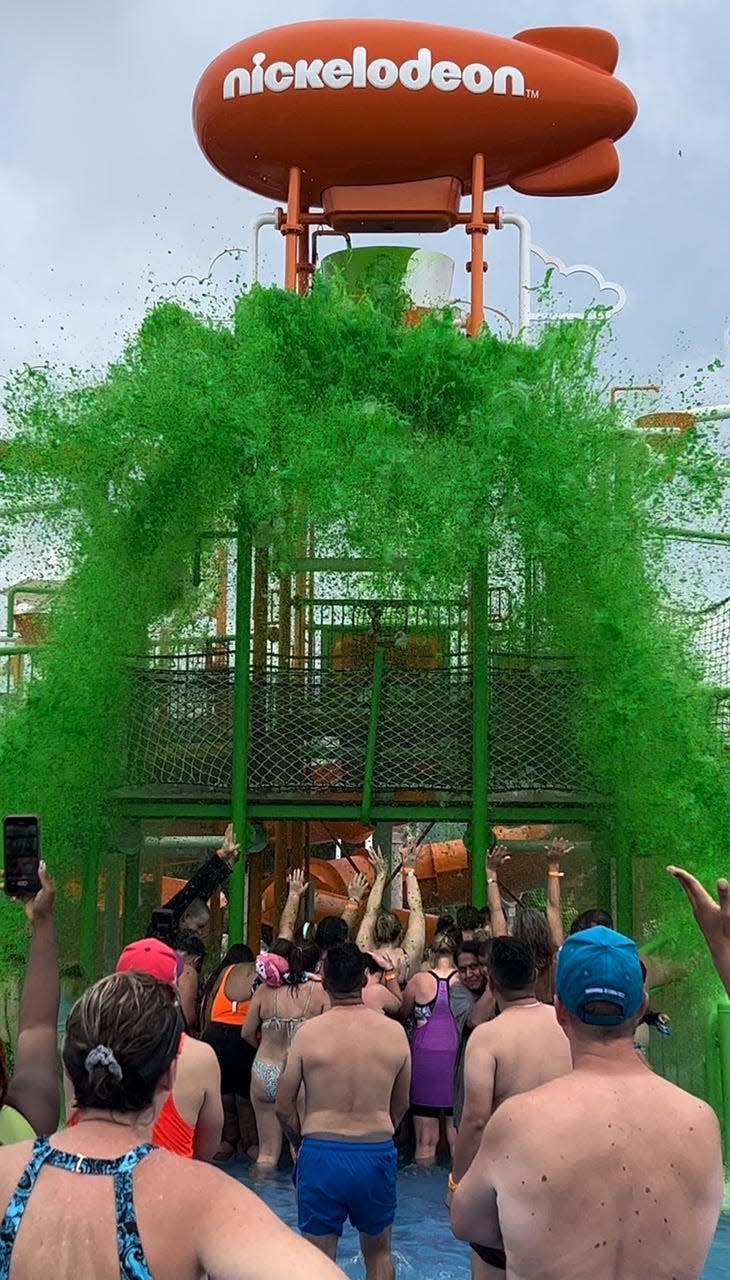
point(309, 728)
point(181, 726)
point(712, 639)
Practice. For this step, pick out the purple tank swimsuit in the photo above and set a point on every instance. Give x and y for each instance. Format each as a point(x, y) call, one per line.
point(433, 1052)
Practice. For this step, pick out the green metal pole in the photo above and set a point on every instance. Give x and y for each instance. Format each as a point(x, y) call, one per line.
point(89, 913)
point(723, 1042)
point(604, 881)
point(132, 876)
point(367, 782)
point(713, 1071)
point(624, 887)
point(241, 691)
point(480, 733)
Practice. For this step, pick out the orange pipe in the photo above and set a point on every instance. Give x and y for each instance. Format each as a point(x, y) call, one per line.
point(477, 230)
point(304, 266)
point(221, 611)
point(293, 228)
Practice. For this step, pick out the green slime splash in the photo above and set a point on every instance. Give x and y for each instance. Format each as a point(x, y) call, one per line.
point(397, 442)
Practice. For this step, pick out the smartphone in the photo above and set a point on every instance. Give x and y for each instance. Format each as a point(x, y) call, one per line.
point(22, 855)
point(163, 925)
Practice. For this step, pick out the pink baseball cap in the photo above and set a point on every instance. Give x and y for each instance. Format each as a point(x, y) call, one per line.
point(149, 955)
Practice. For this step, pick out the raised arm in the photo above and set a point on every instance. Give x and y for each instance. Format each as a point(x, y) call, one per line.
point(34, 1089)
point(480, 1069)
point(204, 882)
point(712, 917)
point(297, 889)
point(556, 851)
point(356, 890)
point(364, 938)
point(414, 943)
point(495, 859)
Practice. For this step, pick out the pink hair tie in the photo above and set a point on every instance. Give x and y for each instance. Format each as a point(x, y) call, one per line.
point(271, 969)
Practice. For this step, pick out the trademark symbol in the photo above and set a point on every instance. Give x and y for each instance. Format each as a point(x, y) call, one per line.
point(533, 93)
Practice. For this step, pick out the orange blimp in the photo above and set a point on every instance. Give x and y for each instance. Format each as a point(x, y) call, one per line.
point(363, 102)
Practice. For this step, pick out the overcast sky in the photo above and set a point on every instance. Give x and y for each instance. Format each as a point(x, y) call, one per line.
point(106, 199)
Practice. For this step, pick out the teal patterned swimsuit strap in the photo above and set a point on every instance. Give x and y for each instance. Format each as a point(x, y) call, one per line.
point(132, 1262)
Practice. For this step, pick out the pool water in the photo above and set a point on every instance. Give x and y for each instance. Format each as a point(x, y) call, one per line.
point(423, 1245)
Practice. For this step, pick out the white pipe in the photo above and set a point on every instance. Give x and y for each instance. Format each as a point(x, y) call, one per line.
point(264, 220)
point(711, 413)
point(523, 270)
point(193, 842)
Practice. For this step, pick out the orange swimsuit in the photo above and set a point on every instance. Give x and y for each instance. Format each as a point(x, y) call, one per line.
point(171, 1131)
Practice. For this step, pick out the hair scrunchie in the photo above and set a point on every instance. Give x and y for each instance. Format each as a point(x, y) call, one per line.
point(101, 1056)
point(272, 970)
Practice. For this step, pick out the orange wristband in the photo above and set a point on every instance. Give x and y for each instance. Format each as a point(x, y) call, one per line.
point(452, 1183)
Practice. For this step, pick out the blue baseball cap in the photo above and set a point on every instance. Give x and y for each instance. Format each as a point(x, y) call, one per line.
point(600, 964)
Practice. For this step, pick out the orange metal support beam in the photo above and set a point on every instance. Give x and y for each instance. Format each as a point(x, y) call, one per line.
point(292, 228)
point(477, 228)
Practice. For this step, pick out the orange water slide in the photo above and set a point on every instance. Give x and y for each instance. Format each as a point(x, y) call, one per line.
point(442, 871)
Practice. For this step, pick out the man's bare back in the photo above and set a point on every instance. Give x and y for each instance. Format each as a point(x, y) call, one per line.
point(355, 1064)
point(519, 1050)
point(355, 1069)
point(616, 1177)
point(610, 1171)
point(522, 1048)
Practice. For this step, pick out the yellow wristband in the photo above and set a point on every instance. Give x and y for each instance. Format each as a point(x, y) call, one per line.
point(452, 1183)
point(389, 974)
point(557, 874)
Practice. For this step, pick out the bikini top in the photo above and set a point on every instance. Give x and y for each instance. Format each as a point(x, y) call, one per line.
point(132, 1262)
point(290, 1025)
point(173, 1132)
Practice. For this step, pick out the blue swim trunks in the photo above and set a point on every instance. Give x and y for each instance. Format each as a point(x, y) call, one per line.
point(337, 1180)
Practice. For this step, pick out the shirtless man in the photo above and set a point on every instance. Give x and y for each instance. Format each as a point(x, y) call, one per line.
point(355, 1066)
point(609, 1171)
point(191, 1121)
point(523, 1048)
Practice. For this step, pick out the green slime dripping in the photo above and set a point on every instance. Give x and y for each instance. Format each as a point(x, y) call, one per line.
point(397, 442)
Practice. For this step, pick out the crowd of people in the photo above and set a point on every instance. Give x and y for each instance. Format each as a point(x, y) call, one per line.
point(501, 1045)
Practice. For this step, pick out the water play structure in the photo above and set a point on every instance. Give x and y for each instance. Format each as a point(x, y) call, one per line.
point(435, 563)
